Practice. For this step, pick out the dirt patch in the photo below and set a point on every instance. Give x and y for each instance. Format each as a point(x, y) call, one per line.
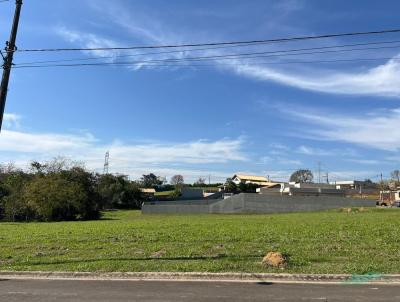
point(275, 259)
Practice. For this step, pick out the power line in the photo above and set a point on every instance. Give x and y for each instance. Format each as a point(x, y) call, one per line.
point(224, 57)
point(231, 55)
point(160, 64)
point(261, 55)
point(302, 38)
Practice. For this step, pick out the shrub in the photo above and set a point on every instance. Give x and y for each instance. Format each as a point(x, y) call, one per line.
point(12, 204)
point(118, 192)
point(54, 198)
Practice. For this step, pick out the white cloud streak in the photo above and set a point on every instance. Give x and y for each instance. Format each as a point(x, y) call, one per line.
point(131, 159)
point(11, 120)
point(380, 80)
point(376, 130)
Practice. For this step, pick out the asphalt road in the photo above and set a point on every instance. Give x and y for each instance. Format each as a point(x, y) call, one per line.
point(144, 291)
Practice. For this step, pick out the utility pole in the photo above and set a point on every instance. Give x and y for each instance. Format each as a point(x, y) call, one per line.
point(319, 172)
point(326, 176)
point(8, 59)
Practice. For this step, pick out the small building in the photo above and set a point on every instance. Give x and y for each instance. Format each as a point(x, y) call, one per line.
point(271, 189)
point(358, 185)
point(148, 192)
point(250, 179)
point(301, 189)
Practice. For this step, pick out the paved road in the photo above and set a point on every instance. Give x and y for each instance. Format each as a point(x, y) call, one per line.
point(144, 291)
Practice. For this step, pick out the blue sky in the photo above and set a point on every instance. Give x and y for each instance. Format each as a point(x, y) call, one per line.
point(231, 116)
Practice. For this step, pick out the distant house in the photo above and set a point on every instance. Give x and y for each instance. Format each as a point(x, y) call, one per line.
point(148, 192)
point(301, 189)
point(250, 179)
point(355, 187)
point(274, 188)
point(353, 184)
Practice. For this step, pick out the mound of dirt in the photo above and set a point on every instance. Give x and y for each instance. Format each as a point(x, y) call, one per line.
point(274, 259)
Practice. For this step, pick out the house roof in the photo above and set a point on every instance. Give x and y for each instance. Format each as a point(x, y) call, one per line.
point(144, 190)
point(251, 177)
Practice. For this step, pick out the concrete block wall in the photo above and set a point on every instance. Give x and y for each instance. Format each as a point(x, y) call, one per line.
point(255, 203)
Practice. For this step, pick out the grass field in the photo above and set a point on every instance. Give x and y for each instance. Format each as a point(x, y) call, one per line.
point(164, 193)
point(324, 242)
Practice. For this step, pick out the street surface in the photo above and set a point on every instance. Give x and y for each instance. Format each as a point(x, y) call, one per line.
point(144, 291)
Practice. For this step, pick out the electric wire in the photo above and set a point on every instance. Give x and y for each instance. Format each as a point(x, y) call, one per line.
point(301, 38)
point(246, 54)
point(159, 64)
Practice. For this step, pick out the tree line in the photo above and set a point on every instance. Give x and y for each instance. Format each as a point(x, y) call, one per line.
point(63, 190)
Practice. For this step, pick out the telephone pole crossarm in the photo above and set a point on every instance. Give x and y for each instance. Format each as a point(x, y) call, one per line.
point(8, 59)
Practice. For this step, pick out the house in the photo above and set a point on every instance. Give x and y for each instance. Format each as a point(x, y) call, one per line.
point(301, 189)
point(250, 179)
point(148, 192)
point(356, 187)
point(274, 188)
point(353, 185)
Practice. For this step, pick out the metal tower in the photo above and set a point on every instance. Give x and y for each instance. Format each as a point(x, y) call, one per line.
point(106, 162)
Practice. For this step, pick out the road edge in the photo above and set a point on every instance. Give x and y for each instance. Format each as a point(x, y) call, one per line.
point(393, 279)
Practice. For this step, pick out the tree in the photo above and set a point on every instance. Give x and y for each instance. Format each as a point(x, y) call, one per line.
point(12, 205)
point(302, 176)
point(200, 182)
point(396, 175)
point(177, 181)
point(248, 188)
point(54, 198)
point(150, 181)
point(119, 192)
point(230, 186)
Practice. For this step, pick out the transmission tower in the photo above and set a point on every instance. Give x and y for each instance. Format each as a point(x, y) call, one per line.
point(106, 162)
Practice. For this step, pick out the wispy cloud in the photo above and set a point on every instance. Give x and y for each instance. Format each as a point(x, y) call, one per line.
point(380, 80)
point(378, 130)
point(88, 40)
point(132, 159)
point(11, 120)
point(313, 151)
point(365, 161)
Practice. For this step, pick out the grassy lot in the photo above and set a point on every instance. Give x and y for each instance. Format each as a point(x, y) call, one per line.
point(164, 193)
point(324, 242)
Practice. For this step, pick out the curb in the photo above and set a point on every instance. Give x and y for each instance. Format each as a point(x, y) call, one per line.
point(216, 277)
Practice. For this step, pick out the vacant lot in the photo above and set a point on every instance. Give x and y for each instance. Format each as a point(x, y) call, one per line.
point(325, 242)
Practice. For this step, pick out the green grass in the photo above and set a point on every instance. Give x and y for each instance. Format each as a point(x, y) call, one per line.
point(164, 193)
point(324, 242)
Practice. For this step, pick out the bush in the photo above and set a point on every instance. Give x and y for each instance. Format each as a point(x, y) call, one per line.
point(118, 192)
point(12, 204)
point(62, 190)
point(54, 198)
